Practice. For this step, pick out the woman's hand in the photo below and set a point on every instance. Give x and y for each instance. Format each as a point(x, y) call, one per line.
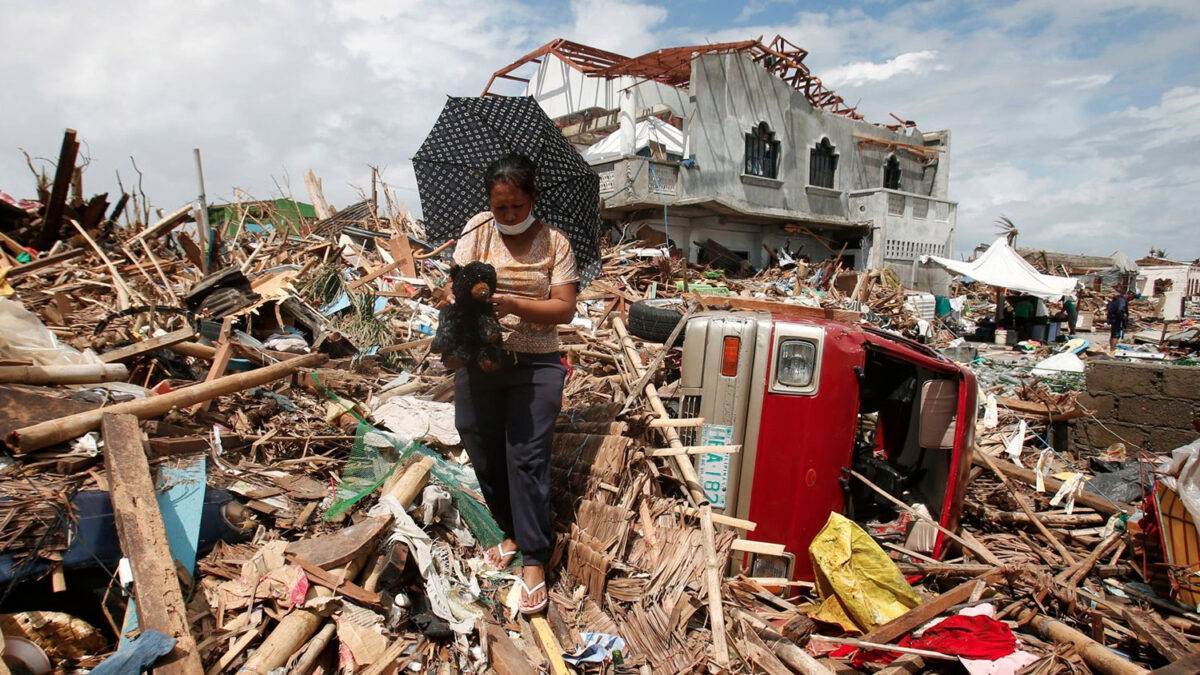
point(505, 304)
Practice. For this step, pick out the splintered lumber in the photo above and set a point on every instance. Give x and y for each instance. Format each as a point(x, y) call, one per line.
point(298, 626)
point(1041, 527)
point(696, 450)
point(1099, 657)
point(63, 173)
point(712, 571)
point(967, 541)
point(146, 346)
point(1161, 635)
point(48, 261)
point(143, 539)
point(220, 361)
point(917, 616)
point(402, 253)
point(339, 548)
point(504, 656)
point(793, 656)
point(48, 433)
point(71, 374)
point(1027, 476)
point(165, 225)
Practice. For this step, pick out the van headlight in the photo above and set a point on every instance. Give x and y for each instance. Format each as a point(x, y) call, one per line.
point(797, 360)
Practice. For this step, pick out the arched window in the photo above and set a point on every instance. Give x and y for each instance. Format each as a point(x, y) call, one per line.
point(822, 164)
point(762, 152)
point(891, 173)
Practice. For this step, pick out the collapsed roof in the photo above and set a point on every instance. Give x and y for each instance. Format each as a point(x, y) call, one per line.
point(673, 66)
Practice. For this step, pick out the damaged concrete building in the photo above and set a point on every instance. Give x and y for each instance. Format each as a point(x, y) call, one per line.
point(739, 143)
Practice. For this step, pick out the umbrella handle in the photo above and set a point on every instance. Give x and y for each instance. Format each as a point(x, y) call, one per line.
point(434, 252)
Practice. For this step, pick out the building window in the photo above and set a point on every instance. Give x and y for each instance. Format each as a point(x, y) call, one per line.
point(762, 152)
point(822, 164)
point(891, 173)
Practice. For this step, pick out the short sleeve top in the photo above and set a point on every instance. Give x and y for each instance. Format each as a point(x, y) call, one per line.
point(548, 262)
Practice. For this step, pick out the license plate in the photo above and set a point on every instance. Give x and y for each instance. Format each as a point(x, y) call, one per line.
point(713, 468)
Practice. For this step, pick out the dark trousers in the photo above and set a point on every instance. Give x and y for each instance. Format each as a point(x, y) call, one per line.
point(506, 420)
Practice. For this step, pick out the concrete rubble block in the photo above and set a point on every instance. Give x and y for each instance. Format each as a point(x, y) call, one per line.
point(1166, 440)
point(1100, 405)
point(1182, 382)
point(1160, 412)
point(1125, 378)
point(1092, 434)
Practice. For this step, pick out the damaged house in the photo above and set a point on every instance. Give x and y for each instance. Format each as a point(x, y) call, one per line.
point(740, 145)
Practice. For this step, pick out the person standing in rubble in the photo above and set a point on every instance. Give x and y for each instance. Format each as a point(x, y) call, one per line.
point(506, 418)
point(1117, 315)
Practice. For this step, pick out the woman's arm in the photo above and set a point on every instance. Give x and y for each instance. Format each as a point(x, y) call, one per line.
point(558, 308)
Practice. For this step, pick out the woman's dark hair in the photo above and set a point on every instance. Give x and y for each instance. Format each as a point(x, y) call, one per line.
point(515, 170)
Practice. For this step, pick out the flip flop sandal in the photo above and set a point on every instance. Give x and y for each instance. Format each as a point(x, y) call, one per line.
point(529, 610)
point(503, 556)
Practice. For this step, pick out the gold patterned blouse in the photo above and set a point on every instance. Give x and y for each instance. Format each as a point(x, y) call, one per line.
point(548, 262)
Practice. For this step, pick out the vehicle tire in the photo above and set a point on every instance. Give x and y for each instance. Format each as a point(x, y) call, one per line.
point(654, 320)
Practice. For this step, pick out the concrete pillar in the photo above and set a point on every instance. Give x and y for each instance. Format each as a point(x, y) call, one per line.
point(627, 119)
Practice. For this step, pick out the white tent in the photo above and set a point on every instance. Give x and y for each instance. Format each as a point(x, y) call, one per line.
point(649, 129)
point(1001, 266)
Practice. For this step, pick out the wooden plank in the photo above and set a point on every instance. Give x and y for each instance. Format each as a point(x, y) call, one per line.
point(339, 548)
point(44, 434)
point(165, 225)
point(549, 644)
point(402, 253)
point(20, 408)
point(1158, 633)
point(696, 450)
point(48, 261)
point(147, 346)
point(143, 539)
point(341, 587)
point(915, 617)
point(759, 547)
point(372, 276)
point(220, 361)
point(63, 173)
point(317, 195)
point(503, 655)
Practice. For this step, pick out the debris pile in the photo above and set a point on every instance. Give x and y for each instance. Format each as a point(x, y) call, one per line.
point(241, 431)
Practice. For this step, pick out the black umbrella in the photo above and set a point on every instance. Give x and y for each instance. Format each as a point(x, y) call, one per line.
point(474, 132)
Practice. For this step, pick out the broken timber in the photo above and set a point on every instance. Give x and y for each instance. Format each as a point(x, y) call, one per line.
point(48, 433)
point(144, 541)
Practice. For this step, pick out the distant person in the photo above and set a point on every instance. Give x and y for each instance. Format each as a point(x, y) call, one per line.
point(1117, 314)
point(1072, 314)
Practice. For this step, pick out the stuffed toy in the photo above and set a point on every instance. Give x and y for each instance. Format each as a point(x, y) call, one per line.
point(468, 330)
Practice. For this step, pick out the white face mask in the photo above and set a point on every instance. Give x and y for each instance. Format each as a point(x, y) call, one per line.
point(517, 228)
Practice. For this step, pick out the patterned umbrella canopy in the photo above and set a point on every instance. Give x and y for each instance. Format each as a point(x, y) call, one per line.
point(474, 132)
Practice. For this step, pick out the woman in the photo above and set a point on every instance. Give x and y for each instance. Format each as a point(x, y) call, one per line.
point(506, 418)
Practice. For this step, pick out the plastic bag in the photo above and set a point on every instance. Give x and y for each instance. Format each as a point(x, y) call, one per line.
point(23, 337)
point(859, 585)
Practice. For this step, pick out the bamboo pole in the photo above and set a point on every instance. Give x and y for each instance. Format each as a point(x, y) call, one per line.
point(43, 434)
point(1099, 657)
point(712, 571)
point(792, 656)
point(70, 374)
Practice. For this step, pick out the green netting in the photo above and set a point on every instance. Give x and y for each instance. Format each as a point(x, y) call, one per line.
point(375, 456)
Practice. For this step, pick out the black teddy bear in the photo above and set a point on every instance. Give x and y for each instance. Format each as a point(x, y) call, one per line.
point(468, 330)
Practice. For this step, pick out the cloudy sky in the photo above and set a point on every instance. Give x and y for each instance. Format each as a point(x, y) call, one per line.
point(1078, 120)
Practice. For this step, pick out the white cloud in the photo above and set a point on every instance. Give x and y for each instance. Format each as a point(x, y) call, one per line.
point(1082, 81)
point(862, 72)
point(616, 25)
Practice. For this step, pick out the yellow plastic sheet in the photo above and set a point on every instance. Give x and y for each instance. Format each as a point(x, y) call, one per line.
point(859, 585)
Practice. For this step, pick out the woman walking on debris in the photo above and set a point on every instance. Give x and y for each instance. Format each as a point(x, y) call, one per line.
point(506, 418)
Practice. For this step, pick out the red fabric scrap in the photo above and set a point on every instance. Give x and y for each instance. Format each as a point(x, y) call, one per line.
point(971, 637)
